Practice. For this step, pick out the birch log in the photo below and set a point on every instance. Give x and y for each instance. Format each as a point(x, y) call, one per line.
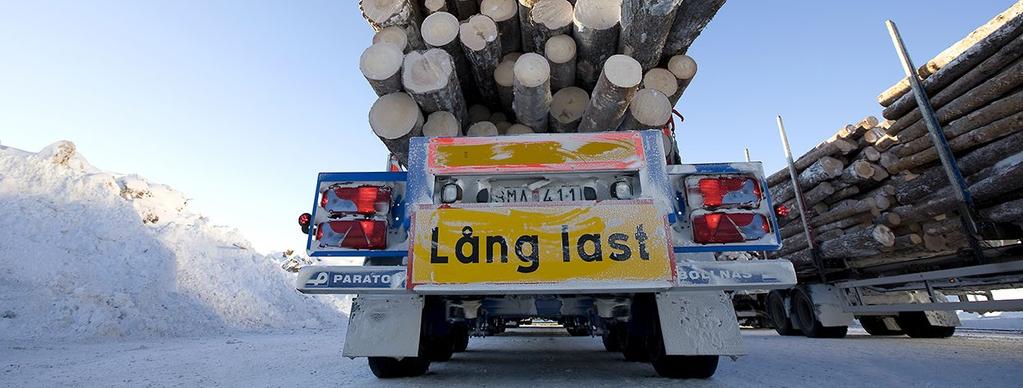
point(662, 80)
point(518, 129)
point(649, 109)
point(395, 118)
point(440, 30)
point(825, 168)
point(550, 18)
point(434, 6)
point(403, 14)
point(393, 35)
point(983, 135)
point(482, 128)
point(690, 20)
point(381, 65)
point(935, 178)
point(532, 90)
point(684, 68)
point(645, 27)
point(989, 113)
point(865, 242)
point(595, 27)
point(567, 109)
point(504, 77)
point(506, 14)
point(560, 52)
point(831, 147)
point(482, 48)
point(526, 26)
point(429, 77)
point(611, 97)
point(442, 124)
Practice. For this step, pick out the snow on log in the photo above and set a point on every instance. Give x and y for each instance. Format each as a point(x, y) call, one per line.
point(442, 124)
point(595, 28)
point(1004, 177)
point(684, 68)
point(857, 172)
point(567, 109)
point(440, 30)
point(560, 52)
point(482, 48)
point(482, 128)
point(993, 29)
point(504, 77)
point(395, 118)
point(381, 65)
point(645, 27)
point(690, 20)
point(550, 18)
point(429, 76)
point(532, 91)
point(989, 113)
point(974, 138)
point(506, 14)
point(403, 14)
point(393, 35)
point(615, 88)
point(818, 194)
point(1010, 211)
point(934, 178)
point(825, 168)
point(649, 109)
point(830, 147)
point(864, 242)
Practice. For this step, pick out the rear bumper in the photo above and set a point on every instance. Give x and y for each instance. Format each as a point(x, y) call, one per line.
point(690, 276)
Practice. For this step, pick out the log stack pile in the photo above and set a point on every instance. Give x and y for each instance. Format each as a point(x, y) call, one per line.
point(505, 67)
point(876, 192)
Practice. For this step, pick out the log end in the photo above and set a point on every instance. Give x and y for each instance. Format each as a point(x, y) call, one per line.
point(683, 66)
point(650, 108)
point(477, 32)
point(597, 14)
point(426, 71)
point(532, 70)
point(381, 61)
point(442, 124)
point(560, 49)
point(568, 104)
point(394, 115)
point(482, 128)
point(440, 28)
point(392, 35)
point(662, 80)
point(623, 71)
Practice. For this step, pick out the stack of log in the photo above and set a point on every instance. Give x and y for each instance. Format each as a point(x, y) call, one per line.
point(506, 67)
point(876, 193)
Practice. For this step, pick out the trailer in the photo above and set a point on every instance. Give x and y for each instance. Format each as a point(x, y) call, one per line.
point(596, 231)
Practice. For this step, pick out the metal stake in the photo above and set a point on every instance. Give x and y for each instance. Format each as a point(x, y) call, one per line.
point(794, 175)
point(967, 212)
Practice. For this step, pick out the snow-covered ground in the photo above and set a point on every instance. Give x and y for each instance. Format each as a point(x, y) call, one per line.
point(523, 357)
point(93, 255)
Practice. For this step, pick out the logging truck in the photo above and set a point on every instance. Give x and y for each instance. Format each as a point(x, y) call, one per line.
point(596, 231)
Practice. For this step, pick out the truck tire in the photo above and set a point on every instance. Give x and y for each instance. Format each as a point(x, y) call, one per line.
point(802, 309)
point(612, 339)
point(389, 367)
point(638, 328)
point(776, 313)
point(677, 366)
point(916, 325)
point(440, 348)
point(875, 326)
point(461, 334)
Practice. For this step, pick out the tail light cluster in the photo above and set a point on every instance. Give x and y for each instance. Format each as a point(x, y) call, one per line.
point(358, 217)
point(725, 208)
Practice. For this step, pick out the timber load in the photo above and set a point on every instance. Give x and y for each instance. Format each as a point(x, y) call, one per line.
point(875, 193)
point(506, 67)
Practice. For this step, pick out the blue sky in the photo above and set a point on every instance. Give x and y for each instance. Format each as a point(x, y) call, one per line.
point(240, 103)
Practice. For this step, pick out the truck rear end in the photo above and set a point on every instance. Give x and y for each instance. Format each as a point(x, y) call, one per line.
point(595, 231)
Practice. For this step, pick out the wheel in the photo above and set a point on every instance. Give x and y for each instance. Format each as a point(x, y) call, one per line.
point(916, 325)
point(677, 366)
point(876, 326)
point(637, 329)
point(612, 339)
point(802, 309)
point(461, 335)
point(776, 313)
point(389, 367)
point(440, 348)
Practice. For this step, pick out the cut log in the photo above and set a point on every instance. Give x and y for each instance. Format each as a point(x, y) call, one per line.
point(504, 77)
point(560, 52)
point(988, 37)
point(381, 65)
point(888, 219)
point(464, 9)
point(526, 26)
point(615, 88)
point(506, 14)
point(482, 128)
point(645, 27)
point(395, 118)
point(442, 124)
point(498, 117)
point(974, 138)
point(1010, 212)
point(866, 242)
point(911, 127)
point(662, 80)
point(595, 28)
point(907, 241)
point(858, 172)
point(842, 193)
point(831, 147)
point(845, 223)
point(649, 109)
point(479, 113)
point(989, 113)
point(532, 90)
point(392, 35)
point(519, 129)
point(567, 109)
point(440, 30)
point(824, 169)
point(844, 209)
point(434, 6)
point(684, 68)
point(550, 18)
point(961, 83)
point(482, 48)
point(502, 127)
point(870, 154)
point(1004, 177)
point(690, 20)
point(403, 14)
point(818, 194)
point(429, 76)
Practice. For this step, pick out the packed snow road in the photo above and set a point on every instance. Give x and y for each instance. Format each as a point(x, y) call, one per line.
point(522, 357)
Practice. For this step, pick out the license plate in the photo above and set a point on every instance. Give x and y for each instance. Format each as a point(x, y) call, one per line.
point(546, 194)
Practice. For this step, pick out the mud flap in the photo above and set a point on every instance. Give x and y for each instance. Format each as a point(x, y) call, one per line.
point(698, 323)
point(384, 326)
point(827, 304)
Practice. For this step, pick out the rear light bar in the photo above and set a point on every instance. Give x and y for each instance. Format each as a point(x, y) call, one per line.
point(354, 234)
point(365, 200)
point(729, 227)
point(725, 191)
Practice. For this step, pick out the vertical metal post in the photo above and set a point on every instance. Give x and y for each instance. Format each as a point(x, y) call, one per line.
point(798, 191)
point(967, 212)
point(747, 154)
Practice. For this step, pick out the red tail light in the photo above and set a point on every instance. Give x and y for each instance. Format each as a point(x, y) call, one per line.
point(781, 211)
point(303, 220)
point(365, 200)
point(729, 191)
point(729, 227)
point(354, 234)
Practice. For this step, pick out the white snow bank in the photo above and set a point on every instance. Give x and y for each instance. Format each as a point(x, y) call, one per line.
point(91, 254)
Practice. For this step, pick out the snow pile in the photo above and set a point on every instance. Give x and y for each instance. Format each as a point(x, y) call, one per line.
point(86, 253)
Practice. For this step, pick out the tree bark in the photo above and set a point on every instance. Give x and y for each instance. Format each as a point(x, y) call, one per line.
point(615, 89)
point(645, 27)
point(395, 118)
point(532, 91)
point(1009, 212)
point(560, 52)
point(595, 28)
point(482, 48)
point(567, 109)
point(865, 242)
point(550, 18)
point(976, 119)
point(504, 78)
point(381, 65)
point(506, 14)
point(690, 20)
point(831, 147)
point(824, 169)
point(1004, 177)
point(526, 25)
point(403, 14)
point(974, 138)
point(440, 30)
